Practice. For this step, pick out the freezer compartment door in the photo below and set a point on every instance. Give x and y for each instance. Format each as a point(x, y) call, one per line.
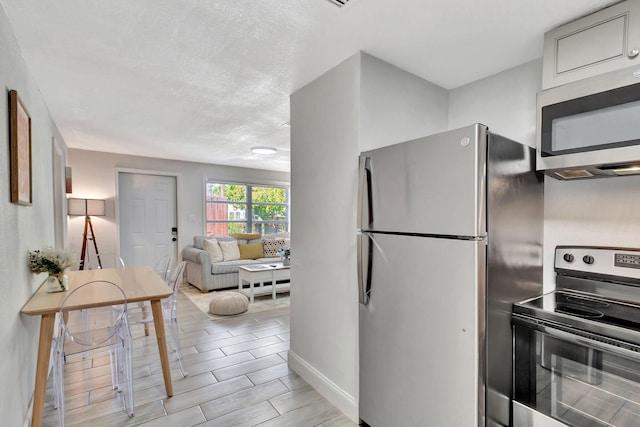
point(432, 185)
point(419, 332)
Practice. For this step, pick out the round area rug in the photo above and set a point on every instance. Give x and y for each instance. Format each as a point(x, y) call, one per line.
point(261, 303)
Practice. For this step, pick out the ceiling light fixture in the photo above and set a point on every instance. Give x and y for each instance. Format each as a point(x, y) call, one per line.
point(263, 150)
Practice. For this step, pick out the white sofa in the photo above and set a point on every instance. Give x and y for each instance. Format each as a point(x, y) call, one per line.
point(206, 275)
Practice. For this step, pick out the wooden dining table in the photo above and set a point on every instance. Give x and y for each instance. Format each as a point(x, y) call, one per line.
point(138, 283)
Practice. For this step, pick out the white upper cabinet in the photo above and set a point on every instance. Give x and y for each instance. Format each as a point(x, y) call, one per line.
point(604, 41)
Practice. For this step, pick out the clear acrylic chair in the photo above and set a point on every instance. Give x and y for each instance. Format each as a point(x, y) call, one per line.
point(105, 260)
point(100, 261)
point(143, 315)
point(94, 328)
point(163, 266)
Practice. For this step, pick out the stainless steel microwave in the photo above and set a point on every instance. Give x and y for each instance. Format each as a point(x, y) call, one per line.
point(590, 128)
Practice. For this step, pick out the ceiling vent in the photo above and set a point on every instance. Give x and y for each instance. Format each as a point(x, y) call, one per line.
point(339, 3)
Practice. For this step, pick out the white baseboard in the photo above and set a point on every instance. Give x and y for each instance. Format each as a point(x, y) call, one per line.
point(327, 388)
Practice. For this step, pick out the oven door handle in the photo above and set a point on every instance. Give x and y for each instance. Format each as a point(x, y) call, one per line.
point(574, 338)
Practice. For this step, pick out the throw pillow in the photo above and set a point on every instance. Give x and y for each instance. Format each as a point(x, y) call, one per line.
point(278, 235)
point(251, 251)
point(212, 246)
point(271, 247)
point(230, 250)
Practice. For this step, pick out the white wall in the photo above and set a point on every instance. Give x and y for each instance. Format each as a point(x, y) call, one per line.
point(325, 120)
point(360, 104)
point(397, 106)
point(22, 228)
point(587, 212)
point(596, 212)
point(94, 176)
point(505, 102)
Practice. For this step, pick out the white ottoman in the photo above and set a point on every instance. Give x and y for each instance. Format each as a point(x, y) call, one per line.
point(228, 303)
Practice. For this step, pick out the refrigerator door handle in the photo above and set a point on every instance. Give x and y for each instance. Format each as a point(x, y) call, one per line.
point(364, 268)
point(364, 190)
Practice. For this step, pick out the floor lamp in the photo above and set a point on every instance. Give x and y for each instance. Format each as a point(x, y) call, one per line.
point(87, 208)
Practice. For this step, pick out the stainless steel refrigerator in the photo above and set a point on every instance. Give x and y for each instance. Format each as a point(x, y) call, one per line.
point(449, 235)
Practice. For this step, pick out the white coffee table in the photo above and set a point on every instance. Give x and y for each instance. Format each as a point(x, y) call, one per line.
point(259, 274)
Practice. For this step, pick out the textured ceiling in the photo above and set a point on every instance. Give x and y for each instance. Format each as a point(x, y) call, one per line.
point(206, 80)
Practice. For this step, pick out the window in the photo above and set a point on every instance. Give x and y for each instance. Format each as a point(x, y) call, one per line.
point(241, 208)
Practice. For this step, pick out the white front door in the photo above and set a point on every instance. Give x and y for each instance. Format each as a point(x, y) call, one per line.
point(147, 217)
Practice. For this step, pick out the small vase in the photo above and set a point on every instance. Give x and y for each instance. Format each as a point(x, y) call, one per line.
point(286, 261)
point(57, 282)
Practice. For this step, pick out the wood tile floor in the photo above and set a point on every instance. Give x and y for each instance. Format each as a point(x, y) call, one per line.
point(238, 376)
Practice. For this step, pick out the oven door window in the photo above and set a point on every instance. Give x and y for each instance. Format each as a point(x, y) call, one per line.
point(575, 384)
point(602, 120)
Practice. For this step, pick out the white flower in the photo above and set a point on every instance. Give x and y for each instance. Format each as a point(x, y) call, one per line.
point(284, 252)
point(50, 260)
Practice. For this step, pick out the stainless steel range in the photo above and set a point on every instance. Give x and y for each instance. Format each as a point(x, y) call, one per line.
point(577, 349)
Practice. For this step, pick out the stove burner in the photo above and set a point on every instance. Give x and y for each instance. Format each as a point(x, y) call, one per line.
point(587, 302)
point(577, 310)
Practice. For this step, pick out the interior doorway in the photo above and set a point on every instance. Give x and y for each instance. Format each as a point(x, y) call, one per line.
point(147, 217)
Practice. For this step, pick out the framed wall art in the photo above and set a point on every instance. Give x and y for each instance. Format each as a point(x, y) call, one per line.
point(20, 135)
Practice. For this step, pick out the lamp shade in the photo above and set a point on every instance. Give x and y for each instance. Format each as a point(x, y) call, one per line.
point(86, 207)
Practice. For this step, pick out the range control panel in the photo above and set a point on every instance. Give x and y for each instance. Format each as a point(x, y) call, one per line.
point(627, 260)
point(623, 262)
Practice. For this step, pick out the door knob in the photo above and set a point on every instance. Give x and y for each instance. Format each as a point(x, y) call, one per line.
point(174, 239)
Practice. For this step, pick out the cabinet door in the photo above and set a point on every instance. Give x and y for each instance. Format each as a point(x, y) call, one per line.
point(604, 41)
